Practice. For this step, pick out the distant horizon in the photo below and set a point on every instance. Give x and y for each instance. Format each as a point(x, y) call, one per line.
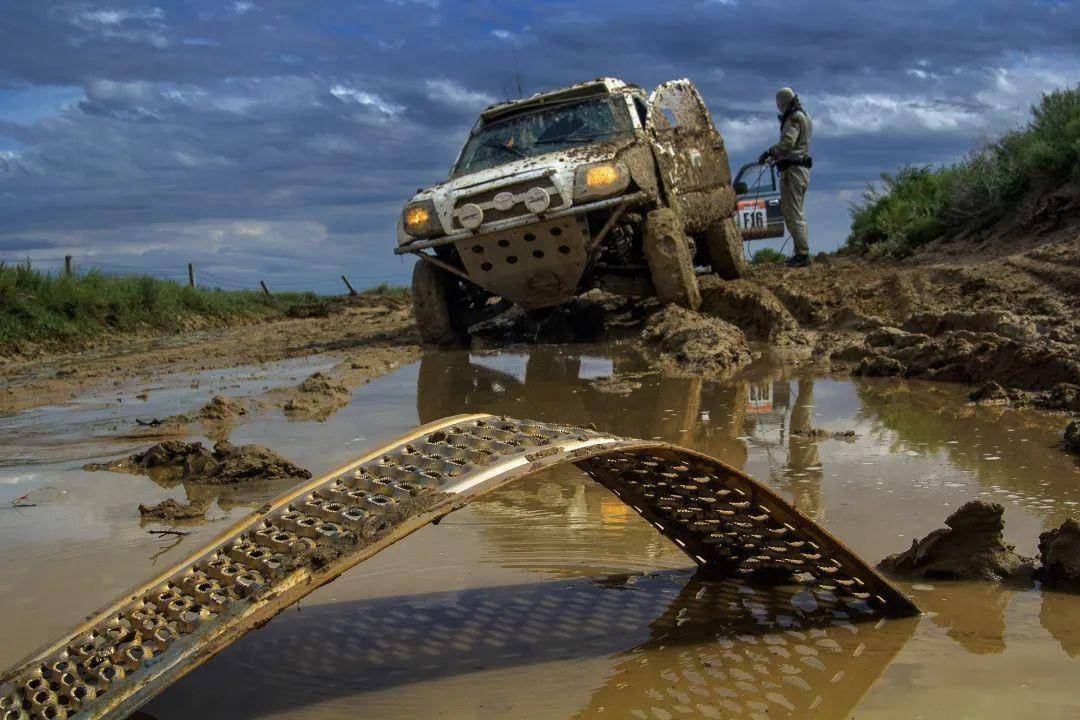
point(278, 140)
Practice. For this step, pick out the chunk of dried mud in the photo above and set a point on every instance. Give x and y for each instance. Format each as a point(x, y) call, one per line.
point(970, 547)
point(316, 398)
point(170, 509)
point(1059, 553)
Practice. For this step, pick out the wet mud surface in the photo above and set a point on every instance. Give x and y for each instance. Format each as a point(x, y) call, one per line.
point(548, 598)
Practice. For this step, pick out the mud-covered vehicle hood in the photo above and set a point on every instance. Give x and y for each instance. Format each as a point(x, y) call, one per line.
point(559, 166)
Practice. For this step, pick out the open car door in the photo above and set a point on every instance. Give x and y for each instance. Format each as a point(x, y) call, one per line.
point(691, 155)
point(759, 216)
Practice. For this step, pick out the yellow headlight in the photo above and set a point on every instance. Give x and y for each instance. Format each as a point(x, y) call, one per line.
point(601, 175)
point(417, 217)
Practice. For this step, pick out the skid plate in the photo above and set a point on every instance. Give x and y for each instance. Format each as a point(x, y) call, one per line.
point(161, 630)
point(534, 266)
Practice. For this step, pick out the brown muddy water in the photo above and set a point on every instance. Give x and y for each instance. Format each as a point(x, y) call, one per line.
point(548, 599)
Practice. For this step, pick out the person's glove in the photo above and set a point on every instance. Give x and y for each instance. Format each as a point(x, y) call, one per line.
point(765, 156)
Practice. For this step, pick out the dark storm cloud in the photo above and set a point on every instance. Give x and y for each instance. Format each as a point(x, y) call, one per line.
point(281, 137)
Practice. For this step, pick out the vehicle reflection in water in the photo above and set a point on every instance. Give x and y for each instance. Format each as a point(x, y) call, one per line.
point(668, 644)
point(718, 418)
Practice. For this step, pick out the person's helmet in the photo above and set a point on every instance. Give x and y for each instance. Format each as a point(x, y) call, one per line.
point(784, 96)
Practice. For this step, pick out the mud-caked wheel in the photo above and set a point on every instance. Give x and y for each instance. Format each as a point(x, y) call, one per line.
point(725, 245)
point(434, 303)
point(671, 265)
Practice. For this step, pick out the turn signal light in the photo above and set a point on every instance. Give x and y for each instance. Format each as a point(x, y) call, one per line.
point(601, 175)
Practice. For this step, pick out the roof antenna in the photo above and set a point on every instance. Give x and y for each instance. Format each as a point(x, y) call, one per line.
point(517, 73)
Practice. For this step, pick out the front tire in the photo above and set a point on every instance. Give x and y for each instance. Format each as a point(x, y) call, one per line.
point(434, 305)
point(671, 265)
point(725, 245)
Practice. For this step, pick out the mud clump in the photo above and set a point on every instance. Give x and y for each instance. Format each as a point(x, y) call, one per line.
point(169, 510)
point(805, 308)
point(686, 342)
point(222, 407)
point(990, 393)
point(817, 434)
point(316, 398)
point(971, 547)
point(1071, 437)
point(617, 384)
point(752, 308)
point(1059, 553)
point(194, 463)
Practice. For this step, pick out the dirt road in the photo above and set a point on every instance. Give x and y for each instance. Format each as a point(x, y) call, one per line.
point(380, 327)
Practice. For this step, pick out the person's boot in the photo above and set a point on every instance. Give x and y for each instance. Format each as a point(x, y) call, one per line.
point(799, 261)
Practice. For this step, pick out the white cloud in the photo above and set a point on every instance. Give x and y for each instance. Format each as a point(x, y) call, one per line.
point(114, 17)
point(866, 113)
point(242, 7)
point(746, 136)
point(134, 25)
point(349, 94)
point(450, 92)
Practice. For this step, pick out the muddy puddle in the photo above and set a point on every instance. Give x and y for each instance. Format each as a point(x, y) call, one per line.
point(548, 599)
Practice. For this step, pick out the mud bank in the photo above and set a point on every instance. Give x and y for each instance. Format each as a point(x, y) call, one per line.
point(379, 326)
point(971, 311)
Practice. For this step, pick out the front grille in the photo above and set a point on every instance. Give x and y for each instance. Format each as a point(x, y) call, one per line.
point(486, 198)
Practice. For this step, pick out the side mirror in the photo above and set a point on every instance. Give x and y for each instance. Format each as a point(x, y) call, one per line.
point(740, 188)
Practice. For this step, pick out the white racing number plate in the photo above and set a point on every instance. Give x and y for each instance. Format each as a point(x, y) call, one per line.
point(752, 215)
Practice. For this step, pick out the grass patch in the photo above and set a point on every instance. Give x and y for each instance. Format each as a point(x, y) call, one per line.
point(918, 204)
point(768, 256)
point(58, 311)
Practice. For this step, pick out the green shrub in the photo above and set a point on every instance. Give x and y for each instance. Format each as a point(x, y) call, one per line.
point(919, 204)
point(767, 255)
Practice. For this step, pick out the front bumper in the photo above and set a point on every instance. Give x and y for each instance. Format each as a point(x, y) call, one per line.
point(531, 219)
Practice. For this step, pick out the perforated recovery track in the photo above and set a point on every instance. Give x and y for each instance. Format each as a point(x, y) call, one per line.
point(159, 631)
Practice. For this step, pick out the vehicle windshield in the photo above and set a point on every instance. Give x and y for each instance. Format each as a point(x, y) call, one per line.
point(544, 131)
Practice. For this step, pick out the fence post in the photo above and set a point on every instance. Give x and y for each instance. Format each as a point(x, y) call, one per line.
point(266, 290)
point(352, 290)
point(191, 275)
point(68, 267)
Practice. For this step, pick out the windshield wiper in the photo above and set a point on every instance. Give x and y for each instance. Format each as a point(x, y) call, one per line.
point(506, 148)
point(577, 138)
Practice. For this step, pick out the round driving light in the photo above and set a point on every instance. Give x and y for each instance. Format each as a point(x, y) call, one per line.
point(503, 201)
point(537, 200)
point(471, 216)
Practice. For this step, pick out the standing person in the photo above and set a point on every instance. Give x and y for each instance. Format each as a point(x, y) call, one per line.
point(792, 158)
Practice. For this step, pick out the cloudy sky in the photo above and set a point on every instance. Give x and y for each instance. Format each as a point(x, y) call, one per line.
point(278, 139)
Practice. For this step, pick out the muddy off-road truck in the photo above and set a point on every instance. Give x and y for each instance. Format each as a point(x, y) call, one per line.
point(595, 185)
